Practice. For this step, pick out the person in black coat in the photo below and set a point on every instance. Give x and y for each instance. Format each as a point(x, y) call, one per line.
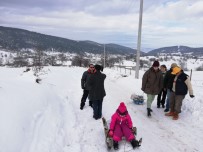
point(168, 83)
point(162, 95)
point(97, 91)
point(85, 86)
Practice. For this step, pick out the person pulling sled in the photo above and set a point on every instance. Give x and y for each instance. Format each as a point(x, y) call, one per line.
point(121, 125)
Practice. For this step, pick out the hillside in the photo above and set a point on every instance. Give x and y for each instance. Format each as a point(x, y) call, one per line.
point(177, 49)
point(13, 39)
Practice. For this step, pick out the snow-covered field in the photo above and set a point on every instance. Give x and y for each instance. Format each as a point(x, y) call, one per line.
point(46, 117)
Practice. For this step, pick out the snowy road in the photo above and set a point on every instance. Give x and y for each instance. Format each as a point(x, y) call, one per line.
point(51, 120)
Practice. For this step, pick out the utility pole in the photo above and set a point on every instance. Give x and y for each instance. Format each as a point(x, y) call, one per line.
point(139, 41)
point(104, 55)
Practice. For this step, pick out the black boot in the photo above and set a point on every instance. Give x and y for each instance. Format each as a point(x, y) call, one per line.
point(166, 110)
point(82, 104)
point(133, 143)
point(115, 145)
point(148, 112)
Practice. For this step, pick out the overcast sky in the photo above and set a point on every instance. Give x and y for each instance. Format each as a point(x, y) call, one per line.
point(165, 22)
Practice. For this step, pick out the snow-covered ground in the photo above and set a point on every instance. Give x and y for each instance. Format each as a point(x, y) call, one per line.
point(46, 117)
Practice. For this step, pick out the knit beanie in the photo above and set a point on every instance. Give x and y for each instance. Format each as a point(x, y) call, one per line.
point(122, 107)
point(155, 64)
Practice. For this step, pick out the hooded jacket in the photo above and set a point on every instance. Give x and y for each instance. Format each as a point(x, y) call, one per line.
point(121, 116)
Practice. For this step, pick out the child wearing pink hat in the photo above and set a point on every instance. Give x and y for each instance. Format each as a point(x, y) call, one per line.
point(121, 125)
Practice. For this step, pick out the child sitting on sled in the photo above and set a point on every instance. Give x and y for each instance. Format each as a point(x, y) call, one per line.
point(121, 125)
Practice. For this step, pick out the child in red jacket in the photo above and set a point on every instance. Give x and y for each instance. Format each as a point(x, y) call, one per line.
point(121, 125)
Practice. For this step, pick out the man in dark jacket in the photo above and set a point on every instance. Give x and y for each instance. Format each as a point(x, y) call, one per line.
point(168, 83)
point(181, 86)
point(85, 86)
point(97, 91)
point(152, 83)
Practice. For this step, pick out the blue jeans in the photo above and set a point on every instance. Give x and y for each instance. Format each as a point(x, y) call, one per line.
point(167, 100)
point(97, 108)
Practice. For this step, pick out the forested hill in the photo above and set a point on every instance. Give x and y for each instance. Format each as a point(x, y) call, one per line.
point(14, 39)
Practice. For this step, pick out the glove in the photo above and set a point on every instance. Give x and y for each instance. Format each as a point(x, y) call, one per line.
point(192, 96)
point(111, 133)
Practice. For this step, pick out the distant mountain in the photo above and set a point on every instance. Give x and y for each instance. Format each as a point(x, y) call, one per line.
point(14, 39)
point(177, 49)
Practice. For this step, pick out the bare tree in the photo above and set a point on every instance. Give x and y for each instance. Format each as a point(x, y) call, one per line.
point(20, 61)
point(77, 60)
point(62, 58)
point(38, 60)
point(1, 61)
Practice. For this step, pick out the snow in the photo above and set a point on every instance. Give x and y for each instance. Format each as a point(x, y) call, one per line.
point(46, 117)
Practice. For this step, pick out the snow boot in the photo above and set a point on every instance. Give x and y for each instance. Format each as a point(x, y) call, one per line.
point(175, 116)
point(115, 145)
point(82, 104)
point(170, 114)
point(149, 112)
point(134, 143)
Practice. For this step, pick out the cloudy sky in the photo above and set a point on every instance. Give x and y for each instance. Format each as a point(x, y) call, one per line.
point(165, 22)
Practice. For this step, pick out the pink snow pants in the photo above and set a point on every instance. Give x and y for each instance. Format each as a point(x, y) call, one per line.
point(122, 130)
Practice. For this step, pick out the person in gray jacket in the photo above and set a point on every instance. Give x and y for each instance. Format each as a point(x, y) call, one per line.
point(152, 83)
point(85, 86)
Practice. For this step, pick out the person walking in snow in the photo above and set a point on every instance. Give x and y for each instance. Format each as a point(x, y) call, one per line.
point(181, 85)
point(168, 83)
point(162, 95)
point(85, 86)
point(97, 91)
point(121, 125)
point(152, 83)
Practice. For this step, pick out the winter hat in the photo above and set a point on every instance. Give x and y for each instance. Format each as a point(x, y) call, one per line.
point(176, 70)
point(173, 65)
point(155, 64)
point(122, 107)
